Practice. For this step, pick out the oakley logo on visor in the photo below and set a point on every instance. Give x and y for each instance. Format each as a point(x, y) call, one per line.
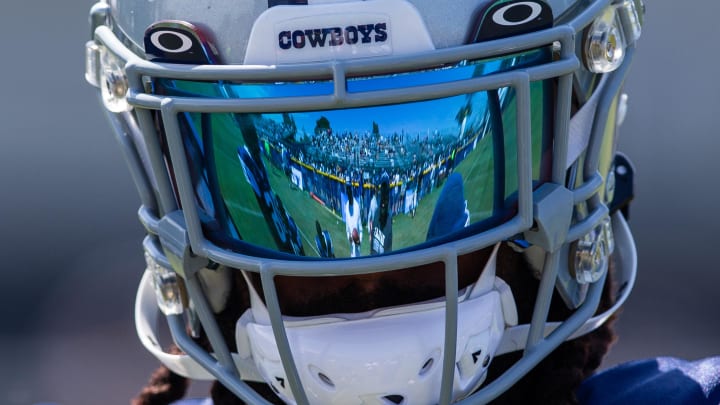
point(517, 13)
point(503, 19)
point(333, 36)
point(179, 42)
point(171, 41)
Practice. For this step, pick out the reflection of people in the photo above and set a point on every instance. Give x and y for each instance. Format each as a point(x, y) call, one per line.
point(451, 213)
point(474, 319)
point(353, 225)
point(323, 241)
point(280, 223)
point(380, 223)
point(373, 206)
point(419, 190)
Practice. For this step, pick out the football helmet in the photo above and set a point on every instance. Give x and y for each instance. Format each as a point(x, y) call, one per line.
point(264, 136)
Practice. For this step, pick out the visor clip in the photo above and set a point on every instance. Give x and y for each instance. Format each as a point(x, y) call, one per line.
point(175, 242)
point(552, 216)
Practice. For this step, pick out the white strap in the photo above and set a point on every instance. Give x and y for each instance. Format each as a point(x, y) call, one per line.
point(581, 125)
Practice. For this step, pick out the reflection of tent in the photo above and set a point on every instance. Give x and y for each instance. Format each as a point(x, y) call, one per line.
point(296, 177)
point(410, 200)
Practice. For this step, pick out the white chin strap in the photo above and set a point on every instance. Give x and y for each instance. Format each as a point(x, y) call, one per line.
point(384, 356)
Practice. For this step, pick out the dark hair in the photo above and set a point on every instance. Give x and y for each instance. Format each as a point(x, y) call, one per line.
point(553, 381)
point(164, 386)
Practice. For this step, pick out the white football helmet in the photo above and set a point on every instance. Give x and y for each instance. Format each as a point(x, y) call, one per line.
point(279, 142)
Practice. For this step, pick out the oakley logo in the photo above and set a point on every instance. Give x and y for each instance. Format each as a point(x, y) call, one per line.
point(171, 41)
point(333, 36)
point(517, 13)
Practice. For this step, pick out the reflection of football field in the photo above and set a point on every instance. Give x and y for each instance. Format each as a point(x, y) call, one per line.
point(243, 208)
point(407, 231)
point(476, 170)
point(304, 210)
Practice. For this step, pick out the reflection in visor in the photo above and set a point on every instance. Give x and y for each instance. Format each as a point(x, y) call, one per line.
point(361, 181)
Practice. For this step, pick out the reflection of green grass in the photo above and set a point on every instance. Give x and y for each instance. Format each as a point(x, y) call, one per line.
point(304, 210)
point(476, 170)
point(244, 209)
point(407, 231)
point(510, 127)
point(477, 173)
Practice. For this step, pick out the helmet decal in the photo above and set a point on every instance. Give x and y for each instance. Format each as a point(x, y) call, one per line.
point(505, 18)
point(179, 42)
point(336, 30)
point(333, 36)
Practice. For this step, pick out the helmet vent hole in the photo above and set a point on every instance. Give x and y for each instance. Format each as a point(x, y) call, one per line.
point(394, 399)
point(322, 378)
point(427, 366)
point(326, 380)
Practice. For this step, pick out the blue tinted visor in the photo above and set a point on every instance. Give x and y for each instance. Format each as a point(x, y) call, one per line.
point(351, 182)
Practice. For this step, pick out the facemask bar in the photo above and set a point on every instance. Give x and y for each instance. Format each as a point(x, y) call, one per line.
point(181, 232)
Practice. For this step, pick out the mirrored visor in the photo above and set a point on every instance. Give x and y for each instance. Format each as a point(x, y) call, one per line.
point(340, 183)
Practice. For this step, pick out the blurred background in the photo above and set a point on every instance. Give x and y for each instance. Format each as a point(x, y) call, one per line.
point(70, 242)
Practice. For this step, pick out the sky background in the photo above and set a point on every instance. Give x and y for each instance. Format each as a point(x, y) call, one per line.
point(70, 242)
